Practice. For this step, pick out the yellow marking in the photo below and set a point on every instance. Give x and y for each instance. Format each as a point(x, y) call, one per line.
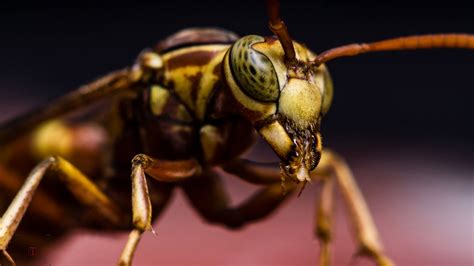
point(277, 137)
point(205, 48)
point(158, 99)
point(210, 141)
point(182, 77)
point(208, 81)
point(182, 82)
point(265, 109)
point(183, 114)
point(52, 138)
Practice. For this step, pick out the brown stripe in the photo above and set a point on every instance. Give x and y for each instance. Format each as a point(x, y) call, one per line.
point(195, 87)
point(265, 122)
point(197, 58)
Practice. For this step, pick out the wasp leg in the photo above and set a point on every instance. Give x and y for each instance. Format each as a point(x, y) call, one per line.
point(365, 230)
point(165, 171)
point(207, 195)
point(324, 220)
point(42, 206)
point(254, 172)
point(5, 258)
point(82, 188)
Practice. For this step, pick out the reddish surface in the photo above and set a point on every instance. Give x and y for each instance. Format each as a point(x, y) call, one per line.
point(421, 202)
point(421, 198)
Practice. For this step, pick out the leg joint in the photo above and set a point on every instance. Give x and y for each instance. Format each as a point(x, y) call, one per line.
point(141, 159)
point(48, 163)
point(53, 163)
point(323, 233)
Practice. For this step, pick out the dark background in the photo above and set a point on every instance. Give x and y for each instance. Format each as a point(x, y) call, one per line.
point(404, 120)
point(47, 51)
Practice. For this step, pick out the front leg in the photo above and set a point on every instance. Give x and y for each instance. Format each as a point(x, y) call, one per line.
point(165, 171)
point(254, 172)
point(330, 168)
point(365, 230)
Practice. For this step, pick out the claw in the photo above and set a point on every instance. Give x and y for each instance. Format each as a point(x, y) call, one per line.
point(153, 231)
point(377, 256)
point(302, 188)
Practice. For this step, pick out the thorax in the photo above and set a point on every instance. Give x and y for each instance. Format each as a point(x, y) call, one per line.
point(180, 119)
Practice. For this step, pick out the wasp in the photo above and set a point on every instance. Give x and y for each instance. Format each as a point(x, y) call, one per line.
point(193, 103)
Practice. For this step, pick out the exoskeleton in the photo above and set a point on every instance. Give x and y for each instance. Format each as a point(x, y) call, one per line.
point(194, 102)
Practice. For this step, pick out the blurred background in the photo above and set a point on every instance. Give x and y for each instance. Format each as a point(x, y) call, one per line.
point(403, 120)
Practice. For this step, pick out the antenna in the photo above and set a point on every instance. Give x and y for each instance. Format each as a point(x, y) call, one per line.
point(278, 27)
point(443, 40)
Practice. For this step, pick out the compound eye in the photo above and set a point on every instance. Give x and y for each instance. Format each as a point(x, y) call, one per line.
point(253, 70)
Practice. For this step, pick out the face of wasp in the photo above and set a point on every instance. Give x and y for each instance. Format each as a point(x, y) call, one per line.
point(285, 104)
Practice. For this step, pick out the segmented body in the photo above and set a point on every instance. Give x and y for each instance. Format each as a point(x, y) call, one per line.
point(191, 107)
point(178, 115)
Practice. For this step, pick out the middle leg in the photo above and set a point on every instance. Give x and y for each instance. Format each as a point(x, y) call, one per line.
point(79, 185)
point(207, 195)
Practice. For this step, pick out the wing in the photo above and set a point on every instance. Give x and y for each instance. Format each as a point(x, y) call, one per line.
point(115, 83)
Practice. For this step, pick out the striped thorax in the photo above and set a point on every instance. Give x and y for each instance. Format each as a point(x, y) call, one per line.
point(284, 103)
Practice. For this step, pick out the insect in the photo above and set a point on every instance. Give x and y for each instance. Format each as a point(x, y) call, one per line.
point(185, 125)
